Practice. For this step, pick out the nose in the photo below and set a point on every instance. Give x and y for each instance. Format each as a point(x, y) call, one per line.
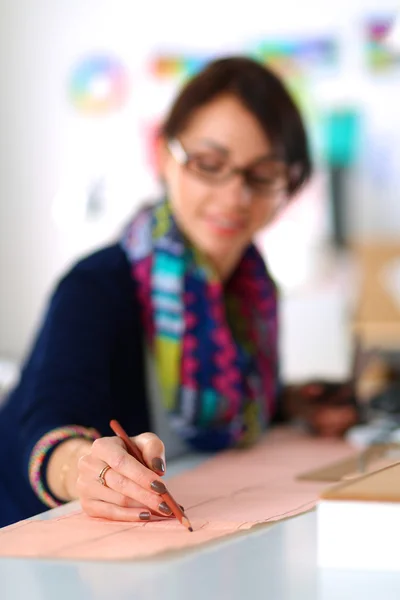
point(236, 192)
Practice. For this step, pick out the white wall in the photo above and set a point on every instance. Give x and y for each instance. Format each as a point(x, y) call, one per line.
point(43, 143)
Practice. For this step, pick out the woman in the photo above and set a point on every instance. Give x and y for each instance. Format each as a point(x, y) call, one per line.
point(174, 328)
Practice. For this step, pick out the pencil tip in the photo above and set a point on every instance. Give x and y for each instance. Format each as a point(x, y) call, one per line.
point(187, 523)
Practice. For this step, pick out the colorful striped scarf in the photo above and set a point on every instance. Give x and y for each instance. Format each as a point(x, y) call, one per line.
point(214, 344)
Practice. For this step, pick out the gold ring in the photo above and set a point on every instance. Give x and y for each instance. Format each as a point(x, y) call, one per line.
point(102, 475)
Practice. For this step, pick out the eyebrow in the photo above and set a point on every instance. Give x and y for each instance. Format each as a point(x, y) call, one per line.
point(224, 150)
point(214, 145)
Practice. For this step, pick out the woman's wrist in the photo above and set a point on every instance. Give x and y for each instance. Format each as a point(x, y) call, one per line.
point(62, 468)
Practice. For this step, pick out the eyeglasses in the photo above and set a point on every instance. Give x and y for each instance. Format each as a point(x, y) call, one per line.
point(266, 177)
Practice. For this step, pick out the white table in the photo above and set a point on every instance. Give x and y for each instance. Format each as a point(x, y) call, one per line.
point(276, 562)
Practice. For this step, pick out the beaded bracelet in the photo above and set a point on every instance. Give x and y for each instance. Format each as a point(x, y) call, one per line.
point(41, 450)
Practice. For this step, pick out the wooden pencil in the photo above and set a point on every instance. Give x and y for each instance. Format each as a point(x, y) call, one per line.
point(136, 453)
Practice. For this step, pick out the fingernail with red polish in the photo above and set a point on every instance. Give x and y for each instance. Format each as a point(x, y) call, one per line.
point(158, 486)
point(164, 508)
point(158, 465)
point(144, 516)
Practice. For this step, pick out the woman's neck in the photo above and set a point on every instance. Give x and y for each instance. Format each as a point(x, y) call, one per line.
point(225, 265)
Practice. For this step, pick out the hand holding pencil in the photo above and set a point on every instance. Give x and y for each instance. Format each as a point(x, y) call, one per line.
point(120, 479)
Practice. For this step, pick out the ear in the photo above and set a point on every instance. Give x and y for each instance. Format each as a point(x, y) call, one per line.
point(162, 155)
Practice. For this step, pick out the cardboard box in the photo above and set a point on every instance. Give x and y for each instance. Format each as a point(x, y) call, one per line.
point(377, 315)
point(358, 524)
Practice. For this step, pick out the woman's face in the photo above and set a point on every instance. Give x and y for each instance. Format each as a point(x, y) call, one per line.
point(219, 212)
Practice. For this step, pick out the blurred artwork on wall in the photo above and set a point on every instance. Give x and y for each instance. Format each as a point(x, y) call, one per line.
point(290, 54)
point(380, 56)
point(98, 84)
point(178, 66)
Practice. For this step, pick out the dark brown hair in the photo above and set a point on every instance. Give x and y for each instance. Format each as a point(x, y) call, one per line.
point(263, 94)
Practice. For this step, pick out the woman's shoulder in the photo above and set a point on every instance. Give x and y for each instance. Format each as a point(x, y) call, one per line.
point(103, 262)
point(107, 264)
point(104, 274)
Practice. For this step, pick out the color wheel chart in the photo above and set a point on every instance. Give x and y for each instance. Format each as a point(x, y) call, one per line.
point(98, 85)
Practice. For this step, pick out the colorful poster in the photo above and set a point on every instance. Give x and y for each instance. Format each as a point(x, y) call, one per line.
point(178, 66)
point(380, 56)
point(289, 56)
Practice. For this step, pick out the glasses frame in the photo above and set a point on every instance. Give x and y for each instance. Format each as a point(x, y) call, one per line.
point(184, 157)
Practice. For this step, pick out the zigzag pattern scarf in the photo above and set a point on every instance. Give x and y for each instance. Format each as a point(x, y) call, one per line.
point(214, 344)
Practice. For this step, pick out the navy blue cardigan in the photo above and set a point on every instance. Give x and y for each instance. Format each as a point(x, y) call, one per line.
point(86, 367)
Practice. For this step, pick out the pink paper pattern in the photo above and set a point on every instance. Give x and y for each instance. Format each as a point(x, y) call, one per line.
point(232, 492)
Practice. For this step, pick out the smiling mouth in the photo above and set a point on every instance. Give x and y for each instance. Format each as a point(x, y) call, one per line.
point(225, 224)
